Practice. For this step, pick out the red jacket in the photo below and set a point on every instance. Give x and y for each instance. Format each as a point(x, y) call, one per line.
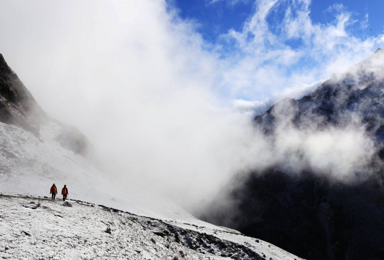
point(64, 191)
point(53, 189)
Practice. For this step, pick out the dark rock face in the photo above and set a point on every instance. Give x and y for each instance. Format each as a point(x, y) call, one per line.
point(304, 212)
point(358, 93)
point(309, 215)
point(18, 107)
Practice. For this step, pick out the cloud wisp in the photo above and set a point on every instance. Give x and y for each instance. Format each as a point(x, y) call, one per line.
point(156, 99)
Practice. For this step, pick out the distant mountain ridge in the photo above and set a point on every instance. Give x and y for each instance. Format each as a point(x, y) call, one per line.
point(358, 91)
point(301, 210)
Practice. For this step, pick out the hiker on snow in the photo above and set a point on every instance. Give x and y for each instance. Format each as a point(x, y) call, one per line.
point(64, 192)
point(53, 191)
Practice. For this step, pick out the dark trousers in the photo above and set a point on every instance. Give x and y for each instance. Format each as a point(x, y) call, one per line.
point(53, 195)
point(64, 197)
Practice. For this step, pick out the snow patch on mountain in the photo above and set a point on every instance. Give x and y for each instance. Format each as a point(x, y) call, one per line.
point(29, 165)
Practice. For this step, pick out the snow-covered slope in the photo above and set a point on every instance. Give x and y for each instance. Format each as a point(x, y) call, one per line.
point(30, 164)
point(36, 151)
point(36, 228)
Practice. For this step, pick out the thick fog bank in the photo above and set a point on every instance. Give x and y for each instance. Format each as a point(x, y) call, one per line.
point(321, 196)
point(170, 111)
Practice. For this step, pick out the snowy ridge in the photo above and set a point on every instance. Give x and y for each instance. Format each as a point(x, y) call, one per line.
point(30, 164)
point(36, 151)
point(39, 228)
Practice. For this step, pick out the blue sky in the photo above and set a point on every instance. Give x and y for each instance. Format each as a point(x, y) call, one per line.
point(280, 48)
point(215, 18)
point(258, 51)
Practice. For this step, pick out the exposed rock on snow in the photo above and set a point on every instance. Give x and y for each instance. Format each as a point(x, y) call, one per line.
point(89, 231)
point(18, 107)
point(67, 204)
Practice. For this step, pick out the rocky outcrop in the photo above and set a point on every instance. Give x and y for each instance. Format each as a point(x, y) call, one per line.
point(35, 227)
point(18, 107)
point(354, 95)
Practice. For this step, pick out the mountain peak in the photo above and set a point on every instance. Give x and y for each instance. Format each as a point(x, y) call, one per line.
point(378, 54)
point(17, 105)
point(2, 61)
point(4, 68)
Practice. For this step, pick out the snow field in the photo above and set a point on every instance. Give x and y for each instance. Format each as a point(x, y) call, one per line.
point(53, 231)
point(29, 165)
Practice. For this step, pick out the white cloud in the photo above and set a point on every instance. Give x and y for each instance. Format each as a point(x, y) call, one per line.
point(338, 7)
point(155, 98)
point(229, 2)
point(252, 108)
point(364, 24)
point(271, 53)
point(138, 82)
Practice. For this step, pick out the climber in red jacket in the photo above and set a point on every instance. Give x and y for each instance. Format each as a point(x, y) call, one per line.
point(64, 192)
point(53, 191)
